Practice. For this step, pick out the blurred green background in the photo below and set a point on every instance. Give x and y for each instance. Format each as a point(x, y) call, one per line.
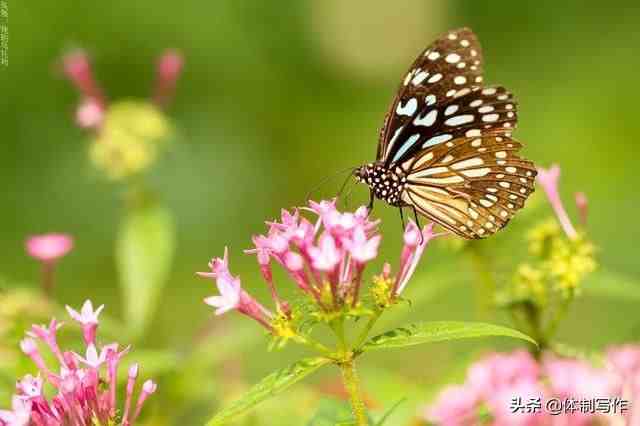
point(276, 96)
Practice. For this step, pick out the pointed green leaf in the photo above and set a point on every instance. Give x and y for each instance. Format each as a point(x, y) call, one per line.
point(144, 254)
point(271, 385)
point(439, 331)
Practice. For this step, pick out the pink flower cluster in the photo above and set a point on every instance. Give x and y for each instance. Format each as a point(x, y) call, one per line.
point(498, 388)
point(90, 113)
point(326, 256)
point(84, 385)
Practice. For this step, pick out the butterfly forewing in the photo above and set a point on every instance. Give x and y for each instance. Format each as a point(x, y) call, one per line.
point(450, 67)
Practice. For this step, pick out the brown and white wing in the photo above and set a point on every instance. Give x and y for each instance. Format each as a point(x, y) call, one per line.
point(471, 186)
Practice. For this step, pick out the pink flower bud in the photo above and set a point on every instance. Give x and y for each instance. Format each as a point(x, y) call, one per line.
point(583, 207)
point(89, 114)
point(168, 70)
point(49, 247)
point(548, 179)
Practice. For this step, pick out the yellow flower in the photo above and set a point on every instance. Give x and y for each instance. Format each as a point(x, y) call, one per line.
point(130, 139)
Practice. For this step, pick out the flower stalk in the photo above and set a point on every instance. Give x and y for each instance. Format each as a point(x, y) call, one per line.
point(352, 386)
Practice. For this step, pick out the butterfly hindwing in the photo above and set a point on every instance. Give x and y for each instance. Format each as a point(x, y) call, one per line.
point(451, 66)
point(472, 185)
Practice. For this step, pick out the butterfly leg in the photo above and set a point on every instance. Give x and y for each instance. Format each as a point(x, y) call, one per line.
point(415, 214)
point(370, 205)
point(402, 218)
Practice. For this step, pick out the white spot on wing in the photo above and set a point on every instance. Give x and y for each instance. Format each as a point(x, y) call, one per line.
point(419, 78)
point(408, 109)
point(459, 120)
point(435, 78)
point(472, 162)
point(427, 120)
point(430, 100)
point(476, 172)
point(437, 139)
point(450, 109)
point(452, 58)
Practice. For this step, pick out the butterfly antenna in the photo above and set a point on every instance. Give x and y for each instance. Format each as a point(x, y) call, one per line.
point(328, 179)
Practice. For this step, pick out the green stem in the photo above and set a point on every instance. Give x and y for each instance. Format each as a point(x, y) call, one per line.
point(338, 328)
point(559, 314)
point(352, 386)
point(306, 340)
point(367, 328)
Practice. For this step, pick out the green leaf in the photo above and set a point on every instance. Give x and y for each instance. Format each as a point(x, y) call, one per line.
point(271, 385)
point(612, 285)
point(144, 254)
point(439, 331)
point(390, 411)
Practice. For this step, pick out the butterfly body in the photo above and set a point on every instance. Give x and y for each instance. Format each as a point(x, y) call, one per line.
point(446, 148)
point(386, 185)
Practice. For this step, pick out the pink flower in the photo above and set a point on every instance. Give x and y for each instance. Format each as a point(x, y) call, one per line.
point(49, 247)
point(574, 378)
point(497, 371)
point(168, 70)
point(29, 386)
point(456, 406)
point(232, 296)
point(88, 318)
point(500, 404)
point(415, 242)
point(77, 68)
point(326, 256)
point(361, 248)
point(82, 393)
point(624, 360)
point(90, 114)
point(548, 179)
point(19, 415)
point(582, 203)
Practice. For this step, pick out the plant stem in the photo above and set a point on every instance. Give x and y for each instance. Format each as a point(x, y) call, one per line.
point(367, 328)
point(352, 386)
point(47, 278)
point(306, 340)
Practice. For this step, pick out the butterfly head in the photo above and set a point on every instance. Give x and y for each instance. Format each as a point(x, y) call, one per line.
point(385, 184)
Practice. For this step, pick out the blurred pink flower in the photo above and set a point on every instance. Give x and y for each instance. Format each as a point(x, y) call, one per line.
point(89, 114)
point(455, 406)
point(500, 389)
point(19, 415)
point(500, 404)
point(168, 70)
point(548, 179)
point(82, 393)
point(499, 370)
point(49, 247)
point(77, 68)
point(582, 203)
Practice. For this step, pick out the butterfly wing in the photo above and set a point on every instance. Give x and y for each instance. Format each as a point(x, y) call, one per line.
point(471, 185)
point(450, 67)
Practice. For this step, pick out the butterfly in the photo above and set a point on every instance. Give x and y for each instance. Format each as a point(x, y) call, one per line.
point(446, 148)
